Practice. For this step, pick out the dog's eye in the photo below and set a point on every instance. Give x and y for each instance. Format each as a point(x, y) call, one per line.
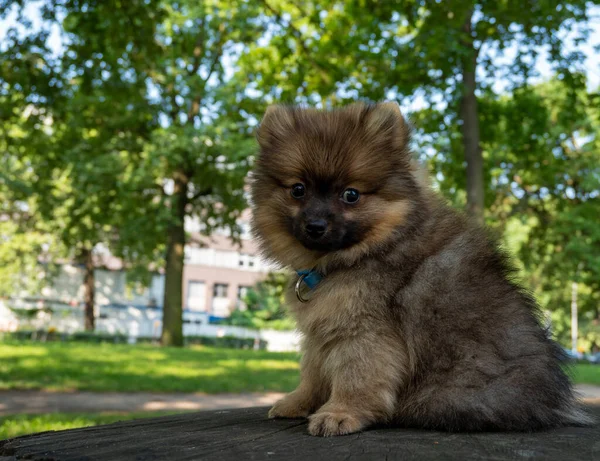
point(350, 196)
point(298, 190)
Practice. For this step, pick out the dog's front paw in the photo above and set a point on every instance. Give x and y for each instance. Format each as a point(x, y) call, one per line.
point(327, 424)
point(289, 407)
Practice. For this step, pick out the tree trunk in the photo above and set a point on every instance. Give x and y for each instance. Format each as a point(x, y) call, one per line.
point(88, 290)
point(469, 114)
point(172, 332)
point(574, 323)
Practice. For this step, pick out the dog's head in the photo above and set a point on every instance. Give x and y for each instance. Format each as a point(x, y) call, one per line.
point(335, 182)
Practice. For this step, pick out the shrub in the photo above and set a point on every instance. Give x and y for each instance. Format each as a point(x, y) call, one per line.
point(265, 306)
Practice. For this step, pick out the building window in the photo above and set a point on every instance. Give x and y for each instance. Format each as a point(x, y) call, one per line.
point(241, 297)
point(220, 290)
point(242, 292)
point(245, 231)
point(196, 296)
point(246, 260)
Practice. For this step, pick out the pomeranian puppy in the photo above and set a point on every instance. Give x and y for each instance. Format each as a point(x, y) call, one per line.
point(408, 312)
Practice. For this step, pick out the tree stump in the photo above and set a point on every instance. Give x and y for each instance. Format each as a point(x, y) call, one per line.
point(247, 434)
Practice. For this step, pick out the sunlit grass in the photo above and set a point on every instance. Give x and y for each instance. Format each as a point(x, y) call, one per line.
point(586, 373)
point(16, 425)
point(130, 368)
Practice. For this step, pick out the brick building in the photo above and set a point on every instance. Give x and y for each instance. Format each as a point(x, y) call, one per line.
point(217, 273)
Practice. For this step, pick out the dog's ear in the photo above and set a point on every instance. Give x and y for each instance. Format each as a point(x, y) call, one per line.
point(386, 120)
point(275, 126)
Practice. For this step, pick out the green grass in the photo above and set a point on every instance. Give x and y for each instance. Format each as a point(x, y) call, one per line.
point(16, 425)
point(131, 368)
point(60, 366)
point(586, 373)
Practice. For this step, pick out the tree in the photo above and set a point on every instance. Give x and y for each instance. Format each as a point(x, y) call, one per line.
point(542, 189)
point(545, 191)
point(82, 128)
point(149, 127)
point(447, 53)
point(447, 59)
point(202, 149)
point(24, 236)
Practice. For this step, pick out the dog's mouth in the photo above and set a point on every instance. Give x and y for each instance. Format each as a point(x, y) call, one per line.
point(334, 238)
point(325, 244)
point(319, 246)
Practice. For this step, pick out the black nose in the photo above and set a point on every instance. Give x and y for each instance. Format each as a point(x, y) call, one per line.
point(316, 227)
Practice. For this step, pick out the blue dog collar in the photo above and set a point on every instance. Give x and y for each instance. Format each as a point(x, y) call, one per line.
point(310, 278)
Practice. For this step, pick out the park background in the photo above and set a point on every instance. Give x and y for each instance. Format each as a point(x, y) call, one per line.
point(126, 141)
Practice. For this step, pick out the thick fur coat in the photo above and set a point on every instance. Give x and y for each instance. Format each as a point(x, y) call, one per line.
point(416, 320)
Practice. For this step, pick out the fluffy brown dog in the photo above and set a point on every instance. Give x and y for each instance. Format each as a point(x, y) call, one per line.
point(412, 317)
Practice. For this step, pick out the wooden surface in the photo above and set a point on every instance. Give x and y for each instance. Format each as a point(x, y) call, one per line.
point(246, 434)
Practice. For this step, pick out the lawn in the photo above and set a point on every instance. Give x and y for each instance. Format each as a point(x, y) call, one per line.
point(60, 366)
point(71, 366)
point(586, 373)
point(16, 425)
